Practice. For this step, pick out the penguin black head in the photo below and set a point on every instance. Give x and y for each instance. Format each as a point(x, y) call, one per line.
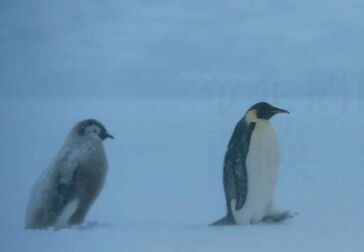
point(93, 128)
point(264, 110)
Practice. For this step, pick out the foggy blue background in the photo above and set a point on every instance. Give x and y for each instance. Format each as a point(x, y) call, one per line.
point(156, 48)
point(170, 79)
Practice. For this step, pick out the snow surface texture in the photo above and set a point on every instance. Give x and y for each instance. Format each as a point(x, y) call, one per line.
point(165, 178)
point(170, 80)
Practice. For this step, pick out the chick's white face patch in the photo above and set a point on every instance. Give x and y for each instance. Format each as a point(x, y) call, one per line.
point(93, 131)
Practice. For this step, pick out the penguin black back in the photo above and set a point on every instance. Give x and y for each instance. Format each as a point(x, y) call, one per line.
point(234, 171)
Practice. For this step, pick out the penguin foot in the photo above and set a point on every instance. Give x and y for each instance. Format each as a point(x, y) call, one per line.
point(279, 216)
point(93, 224)
point(225, 221)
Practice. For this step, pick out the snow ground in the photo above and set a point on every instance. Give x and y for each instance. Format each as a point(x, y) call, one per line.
point(164, 183)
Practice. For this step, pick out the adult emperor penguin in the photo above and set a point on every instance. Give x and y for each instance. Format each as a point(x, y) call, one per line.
point(251, 169)
point(66, 190)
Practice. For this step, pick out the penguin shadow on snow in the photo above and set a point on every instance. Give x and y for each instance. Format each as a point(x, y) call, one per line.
point(279, 217)
point(89, 225)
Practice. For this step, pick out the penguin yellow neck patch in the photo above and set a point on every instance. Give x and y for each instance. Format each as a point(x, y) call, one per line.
point(251, 116)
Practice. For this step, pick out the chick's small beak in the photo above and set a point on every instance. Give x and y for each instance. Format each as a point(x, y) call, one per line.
point(109, 136)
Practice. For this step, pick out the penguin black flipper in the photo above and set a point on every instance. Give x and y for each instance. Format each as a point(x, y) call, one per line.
point(235, 163)
point(235, 174)
point(64, 192)
point(62, 196)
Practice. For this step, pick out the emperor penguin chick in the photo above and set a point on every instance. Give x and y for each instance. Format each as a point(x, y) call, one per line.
point(251, 169)
point(65, 191)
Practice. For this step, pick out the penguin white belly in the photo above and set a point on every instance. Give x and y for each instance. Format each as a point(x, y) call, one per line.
point(262, 169)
